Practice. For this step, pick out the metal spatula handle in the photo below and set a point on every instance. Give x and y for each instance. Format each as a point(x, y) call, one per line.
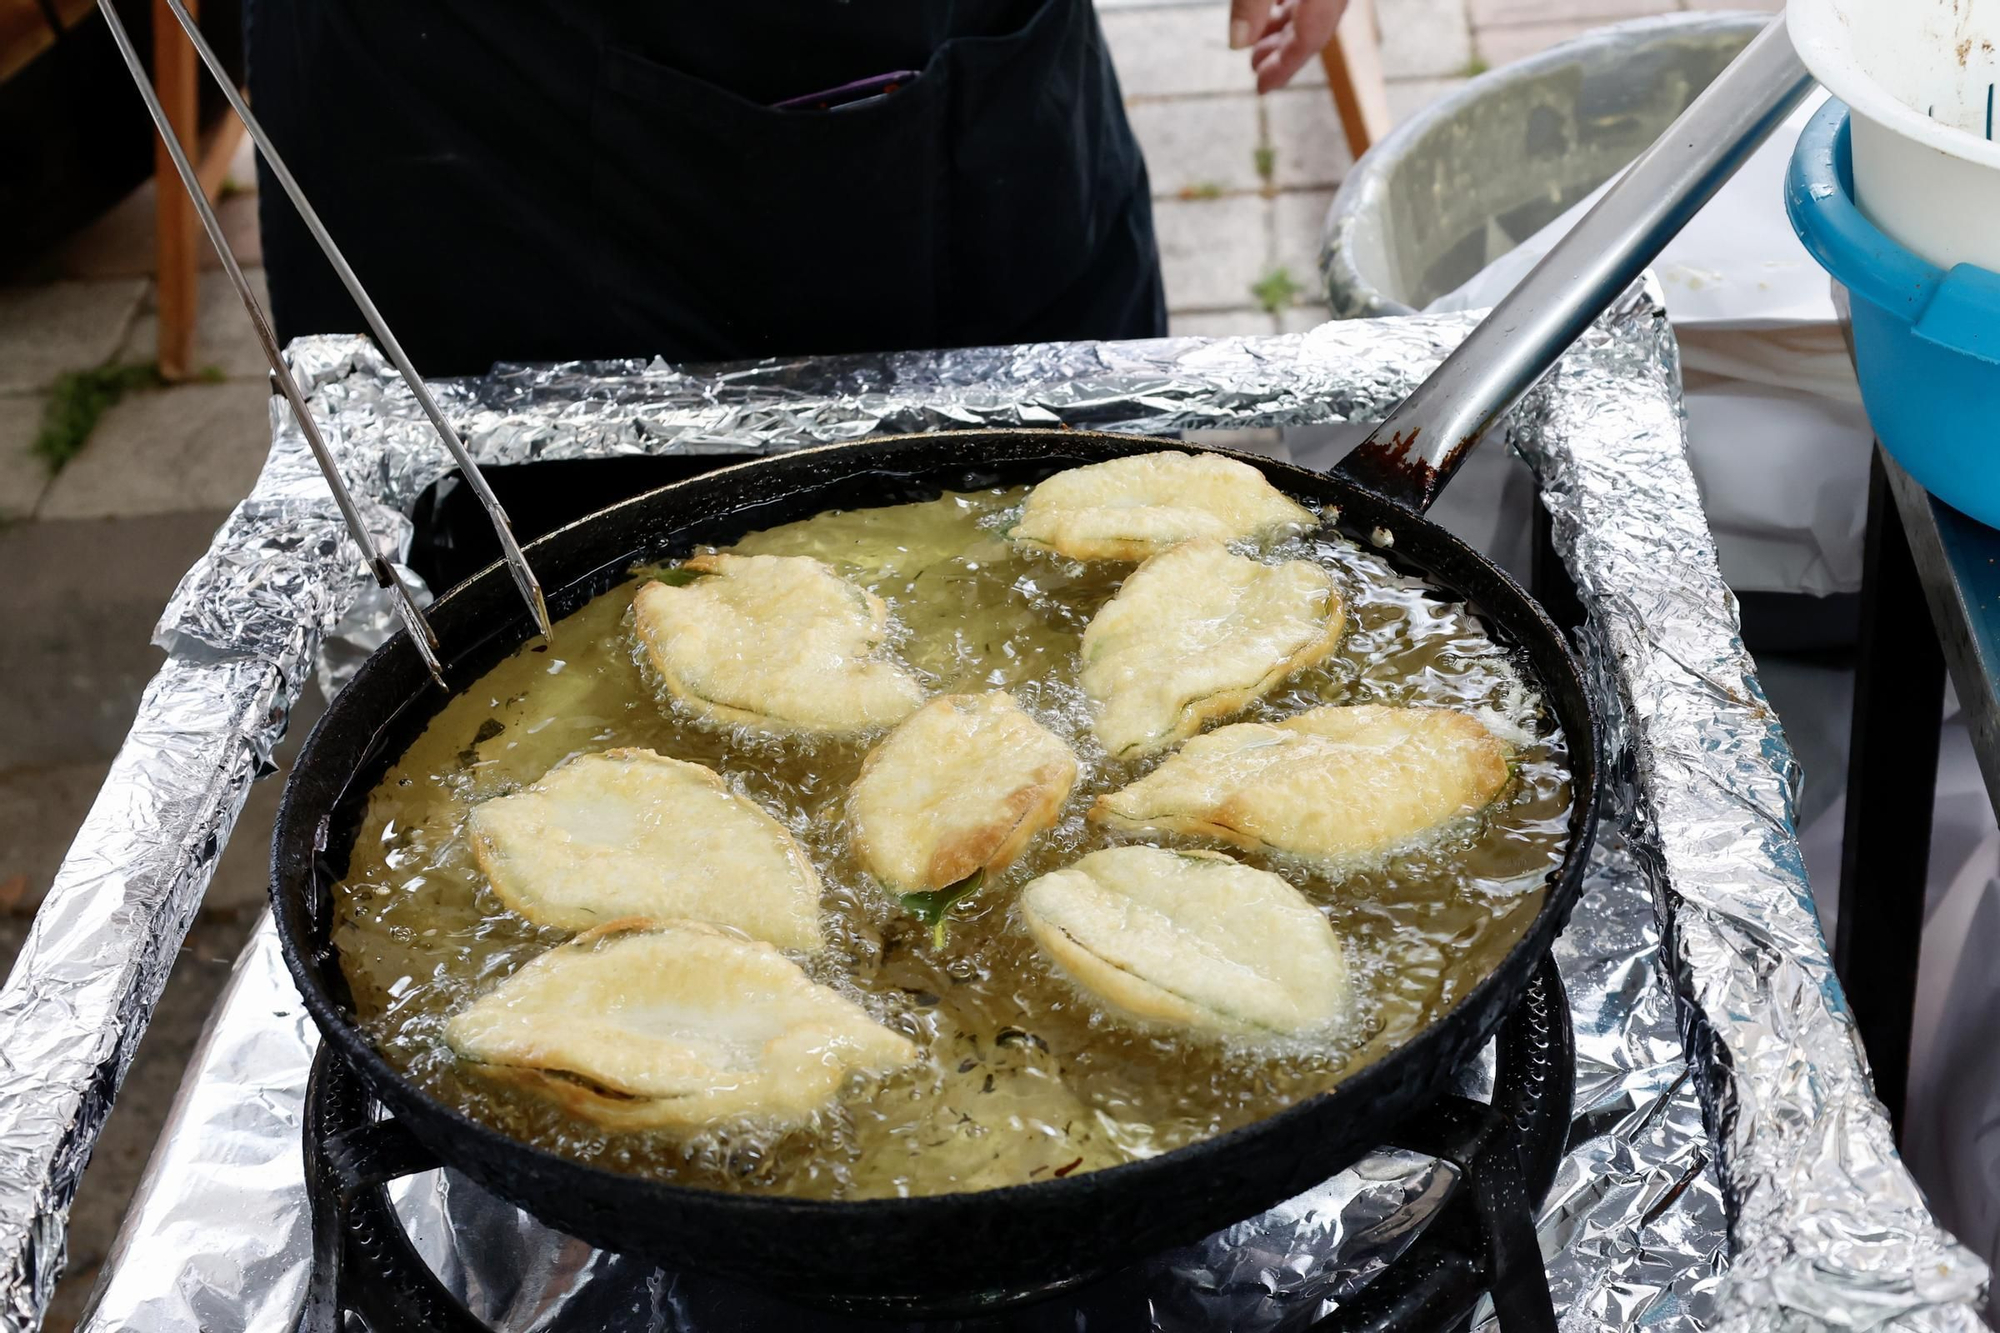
point(384, 572)
point(1410, 455)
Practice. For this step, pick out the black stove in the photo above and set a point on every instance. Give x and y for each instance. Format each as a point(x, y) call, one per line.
point(1480, 1243)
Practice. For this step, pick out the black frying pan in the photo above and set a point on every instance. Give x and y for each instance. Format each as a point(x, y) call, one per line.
point(957, 1251)
point(941, 1250)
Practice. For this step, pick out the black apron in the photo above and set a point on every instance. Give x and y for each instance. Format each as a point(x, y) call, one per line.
point(561, 179)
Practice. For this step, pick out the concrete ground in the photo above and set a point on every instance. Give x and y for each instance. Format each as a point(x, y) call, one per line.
point(92, 551)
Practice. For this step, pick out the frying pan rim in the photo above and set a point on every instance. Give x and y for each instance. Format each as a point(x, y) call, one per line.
point(1562, 886)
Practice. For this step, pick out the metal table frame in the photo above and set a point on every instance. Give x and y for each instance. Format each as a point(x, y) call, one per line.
point(1930, 602)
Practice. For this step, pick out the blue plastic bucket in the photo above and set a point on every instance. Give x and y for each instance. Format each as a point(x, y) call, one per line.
point(1926, 341)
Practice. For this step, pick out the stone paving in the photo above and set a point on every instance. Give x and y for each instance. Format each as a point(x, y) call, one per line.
point(1241, 183)
point(1240, 186)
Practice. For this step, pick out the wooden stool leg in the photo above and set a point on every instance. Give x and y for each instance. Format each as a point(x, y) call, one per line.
point(176, 77)
point(1353, 61)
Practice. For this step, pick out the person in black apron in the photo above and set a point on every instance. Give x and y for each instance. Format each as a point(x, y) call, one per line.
point(536, 180)
point(561, 179)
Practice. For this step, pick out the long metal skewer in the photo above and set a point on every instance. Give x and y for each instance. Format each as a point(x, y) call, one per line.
point(385, 573)
point(524, 577)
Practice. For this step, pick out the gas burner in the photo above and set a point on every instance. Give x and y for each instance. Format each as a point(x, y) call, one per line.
point(1480, 1242)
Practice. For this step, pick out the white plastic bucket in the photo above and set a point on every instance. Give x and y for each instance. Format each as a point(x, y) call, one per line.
point(1922, 78)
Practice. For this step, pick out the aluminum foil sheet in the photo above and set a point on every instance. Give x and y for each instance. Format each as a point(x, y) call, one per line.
point(1829, 1229)
point(1826, 1224)
point(105, 939)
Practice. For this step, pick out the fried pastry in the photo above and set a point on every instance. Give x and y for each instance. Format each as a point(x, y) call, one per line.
point(1132, 507)
point(1200, 632)
point(651, 1025)
point(960, 785)
point(1191, 939)
point(775, 642)
point(1333, 783)
point(629, 832)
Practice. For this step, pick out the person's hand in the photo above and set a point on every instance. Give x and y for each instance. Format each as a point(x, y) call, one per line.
point(1282, 36)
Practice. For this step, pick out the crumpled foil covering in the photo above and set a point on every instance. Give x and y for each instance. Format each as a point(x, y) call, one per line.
point(1826, 1226)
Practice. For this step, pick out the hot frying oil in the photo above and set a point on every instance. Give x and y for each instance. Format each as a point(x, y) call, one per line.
point(1023, 1077)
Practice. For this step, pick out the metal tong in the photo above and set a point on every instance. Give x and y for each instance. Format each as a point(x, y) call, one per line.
point(385, 573)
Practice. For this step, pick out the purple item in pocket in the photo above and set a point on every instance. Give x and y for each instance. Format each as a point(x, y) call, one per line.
point(861, 92)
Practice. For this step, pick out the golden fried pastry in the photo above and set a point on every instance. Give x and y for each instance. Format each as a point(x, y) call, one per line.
point(1197, 633)
point(650, 1025)
point(776, 642)
point(1130, 508)
point(632, 833)
point(1332, 783)
point(1192, 939)
point(960, 785)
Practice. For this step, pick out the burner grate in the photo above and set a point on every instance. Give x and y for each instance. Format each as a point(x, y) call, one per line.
point(1481, 1242)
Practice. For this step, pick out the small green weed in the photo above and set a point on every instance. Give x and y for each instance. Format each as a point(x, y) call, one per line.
point(1266, 159)
point(77, 400)
point(1276, 289)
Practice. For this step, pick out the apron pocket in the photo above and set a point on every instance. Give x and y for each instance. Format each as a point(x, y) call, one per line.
point(742, 230)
